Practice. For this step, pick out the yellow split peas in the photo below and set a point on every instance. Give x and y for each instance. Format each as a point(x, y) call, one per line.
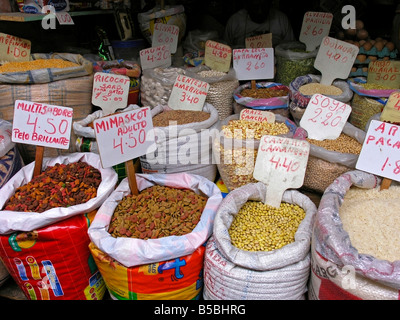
point(261, 227)
point(20, 66)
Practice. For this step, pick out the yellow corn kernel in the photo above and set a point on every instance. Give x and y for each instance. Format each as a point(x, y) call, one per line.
point(21, 66)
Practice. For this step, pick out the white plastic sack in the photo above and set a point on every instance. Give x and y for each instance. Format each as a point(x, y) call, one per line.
point(6, 143)
point(131, 251)
point(11, 221)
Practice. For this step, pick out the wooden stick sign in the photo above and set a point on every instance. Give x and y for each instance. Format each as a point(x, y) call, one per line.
point(42, 125)
point(316, 26)
point(14, 48)
point(280, 164)
point(253, 64)
point(124, 136)
point(217, 56)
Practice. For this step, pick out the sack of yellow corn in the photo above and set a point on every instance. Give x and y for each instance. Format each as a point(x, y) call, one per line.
point(45, 68)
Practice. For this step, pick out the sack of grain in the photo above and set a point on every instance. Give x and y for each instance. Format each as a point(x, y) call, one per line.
point(183, 148)
point(355, 241)
point(303, 87)
point(231, 273)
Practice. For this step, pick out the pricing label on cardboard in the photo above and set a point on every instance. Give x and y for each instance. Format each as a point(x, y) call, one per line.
point(110, 91)
point(257, 115)
point(165, 34)
point(280, 164)
point(64, 18)
point(391, 110)
point(335, 58)
point(155, 57)
point(324, 117)
point(124, 136)
point(14, 48)
point(316, 26)
point(254, 64)
point(42, 124)
point(217, 56)
point(260, 41)
point(385, 73)
point(380, 151)
point(188, 94)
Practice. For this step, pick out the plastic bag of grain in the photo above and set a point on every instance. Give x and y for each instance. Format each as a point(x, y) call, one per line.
point(355, 242)
point(292, 61)
point(231, 273)
point(303, 87)
point(329, 159)
point(183, 148)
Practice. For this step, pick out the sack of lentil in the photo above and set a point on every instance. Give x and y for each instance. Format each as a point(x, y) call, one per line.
point(355, 241)
point(239, 265)
point(133, 266)
point(329, 159)
point(292, 61)
point(302, 89)
point(184, 145)
point(20, 216)
point(267, 96)
point(44, 68)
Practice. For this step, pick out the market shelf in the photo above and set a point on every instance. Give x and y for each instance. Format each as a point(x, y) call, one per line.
point(28, 17)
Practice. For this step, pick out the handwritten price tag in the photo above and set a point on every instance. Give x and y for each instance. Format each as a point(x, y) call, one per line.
point(14, 48)
point(316, 26)
point(391, 111)
point(380, 151)
point(335, 58)
point(261, 41)
point(42, 124)
point(188, 94)
point(110, 91)
point(64, 18)
point(280, 164)
point(155, 57)
point(124, 136)
point(165, 34)
point(324, 117)
point(257, 115)
point(254, 64)
point(385, 73)
point(217, 56)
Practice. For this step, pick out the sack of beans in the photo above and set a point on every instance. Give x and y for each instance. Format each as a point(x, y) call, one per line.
point(330, 158)
point(183, 140)
point(151, 245)
point(304, 87)
point(355, 241)
point(267, 96)
point(258, 252)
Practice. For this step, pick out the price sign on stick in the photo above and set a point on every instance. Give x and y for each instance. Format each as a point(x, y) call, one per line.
point(257, 115)
point(316, 26)
point(260, 41)
point(217, 56)
point(42, 125)
point(335, 58)
point(324, 117)
point(280, 164)
point(165, 34)
point(188, 94)
point(155, 57)
point(253, 64)
point(391, 110)
point(110, 91)
point(64, 18)
point(14, 48)
point(385, 73)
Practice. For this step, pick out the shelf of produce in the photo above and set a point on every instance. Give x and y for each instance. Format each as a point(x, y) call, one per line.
point(28, 17)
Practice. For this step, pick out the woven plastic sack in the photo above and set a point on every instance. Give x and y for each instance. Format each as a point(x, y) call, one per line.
point(133, 252)
point(234, 274)
point(339, 271)
point(11, 221)
point(85, 68)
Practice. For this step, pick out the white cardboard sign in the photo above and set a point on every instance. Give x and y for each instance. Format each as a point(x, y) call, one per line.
point(217, 56)
point(335, 58)
point(165, 34)
point(280, 164)
point(253, 64)
point(259, 41)
point(316, 26)
point(64, 18)
point(42, 124)
point(188, 94)
point(110, 91)
point(124, 136)
point(257, 115)
point(324, 117)
point(14, 48)
point(380, 151)
point(155, 57)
